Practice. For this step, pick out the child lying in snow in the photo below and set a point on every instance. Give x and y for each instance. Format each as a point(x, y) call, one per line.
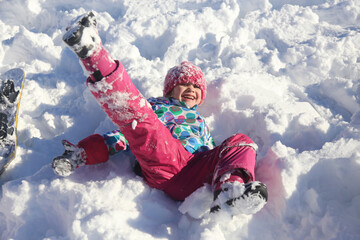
point(168, 137)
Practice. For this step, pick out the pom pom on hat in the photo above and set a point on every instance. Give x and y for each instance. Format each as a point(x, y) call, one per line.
point(186, 72)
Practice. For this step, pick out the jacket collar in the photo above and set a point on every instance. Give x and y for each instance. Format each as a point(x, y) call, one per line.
point(176, 102)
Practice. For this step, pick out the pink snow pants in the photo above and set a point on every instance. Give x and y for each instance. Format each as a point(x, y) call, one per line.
point(165, 163)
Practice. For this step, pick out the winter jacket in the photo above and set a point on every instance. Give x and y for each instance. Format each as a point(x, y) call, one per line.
point(184, 123)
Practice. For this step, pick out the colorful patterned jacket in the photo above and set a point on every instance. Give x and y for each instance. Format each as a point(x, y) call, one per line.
point(184, 123)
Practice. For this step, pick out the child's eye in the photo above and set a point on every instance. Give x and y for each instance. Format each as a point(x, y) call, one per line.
point(188, 84)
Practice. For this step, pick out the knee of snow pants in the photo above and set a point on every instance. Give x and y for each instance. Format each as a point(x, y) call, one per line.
point(95, 148)
point(236, 152)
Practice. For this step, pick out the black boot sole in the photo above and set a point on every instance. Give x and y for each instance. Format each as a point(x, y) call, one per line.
point(76, 36)
point(260, 189)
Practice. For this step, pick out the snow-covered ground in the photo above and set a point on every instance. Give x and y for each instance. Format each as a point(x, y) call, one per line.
point(284, 72)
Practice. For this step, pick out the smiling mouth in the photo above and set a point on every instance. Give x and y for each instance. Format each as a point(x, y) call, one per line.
point(188, 97)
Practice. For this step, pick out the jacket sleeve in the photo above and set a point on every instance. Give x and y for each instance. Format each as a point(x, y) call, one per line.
point(98, 147)
point(115, 141)
point(95, 148)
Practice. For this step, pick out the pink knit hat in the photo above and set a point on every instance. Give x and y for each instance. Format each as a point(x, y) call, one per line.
point(186, 72)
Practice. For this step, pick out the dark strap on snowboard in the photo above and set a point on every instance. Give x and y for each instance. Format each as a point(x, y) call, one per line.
point(3, 125)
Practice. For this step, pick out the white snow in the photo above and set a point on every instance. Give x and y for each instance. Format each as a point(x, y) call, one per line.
point(284, 72)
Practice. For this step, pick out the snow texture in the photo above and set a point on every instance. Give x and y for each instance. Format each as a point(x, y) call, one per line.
point(286, 73)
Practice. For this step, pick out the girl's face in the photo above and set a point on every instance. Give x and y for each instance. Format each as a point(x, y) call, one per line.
point(188, 93)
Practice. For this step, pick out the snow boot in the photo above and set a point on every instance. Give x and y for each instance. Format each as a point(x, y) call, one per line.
point(239, 198)
point(82, 38)
point(72, 158)
point(82, 35)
